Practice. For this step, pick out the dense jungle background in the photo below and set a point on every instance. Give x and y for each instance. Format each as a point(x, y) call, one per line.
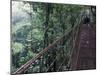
point(36, 25)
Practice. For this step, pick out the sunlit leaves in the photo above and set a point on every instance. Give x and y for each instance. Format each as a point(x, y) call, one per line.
point(16, 47)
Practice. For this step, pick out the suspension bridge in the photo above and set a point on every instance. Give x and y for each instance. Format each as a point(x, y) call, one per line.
point(81, 42)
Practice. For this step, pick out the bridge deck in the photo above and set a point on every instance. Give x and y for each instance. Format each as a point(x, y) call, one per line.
point(84, 55)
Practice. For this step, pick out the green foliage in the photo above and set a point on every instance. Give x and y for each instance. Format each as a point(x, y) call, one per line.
point(16, 47)
point(23, 60)
point(40, 25)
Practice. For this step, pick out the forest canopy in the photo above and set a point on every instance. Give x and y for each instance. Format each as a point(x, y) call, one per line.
point(35, 25)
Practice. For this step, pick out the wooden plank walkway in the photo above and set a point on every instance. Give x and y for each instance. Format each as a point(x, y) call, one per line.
point(84, 55)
